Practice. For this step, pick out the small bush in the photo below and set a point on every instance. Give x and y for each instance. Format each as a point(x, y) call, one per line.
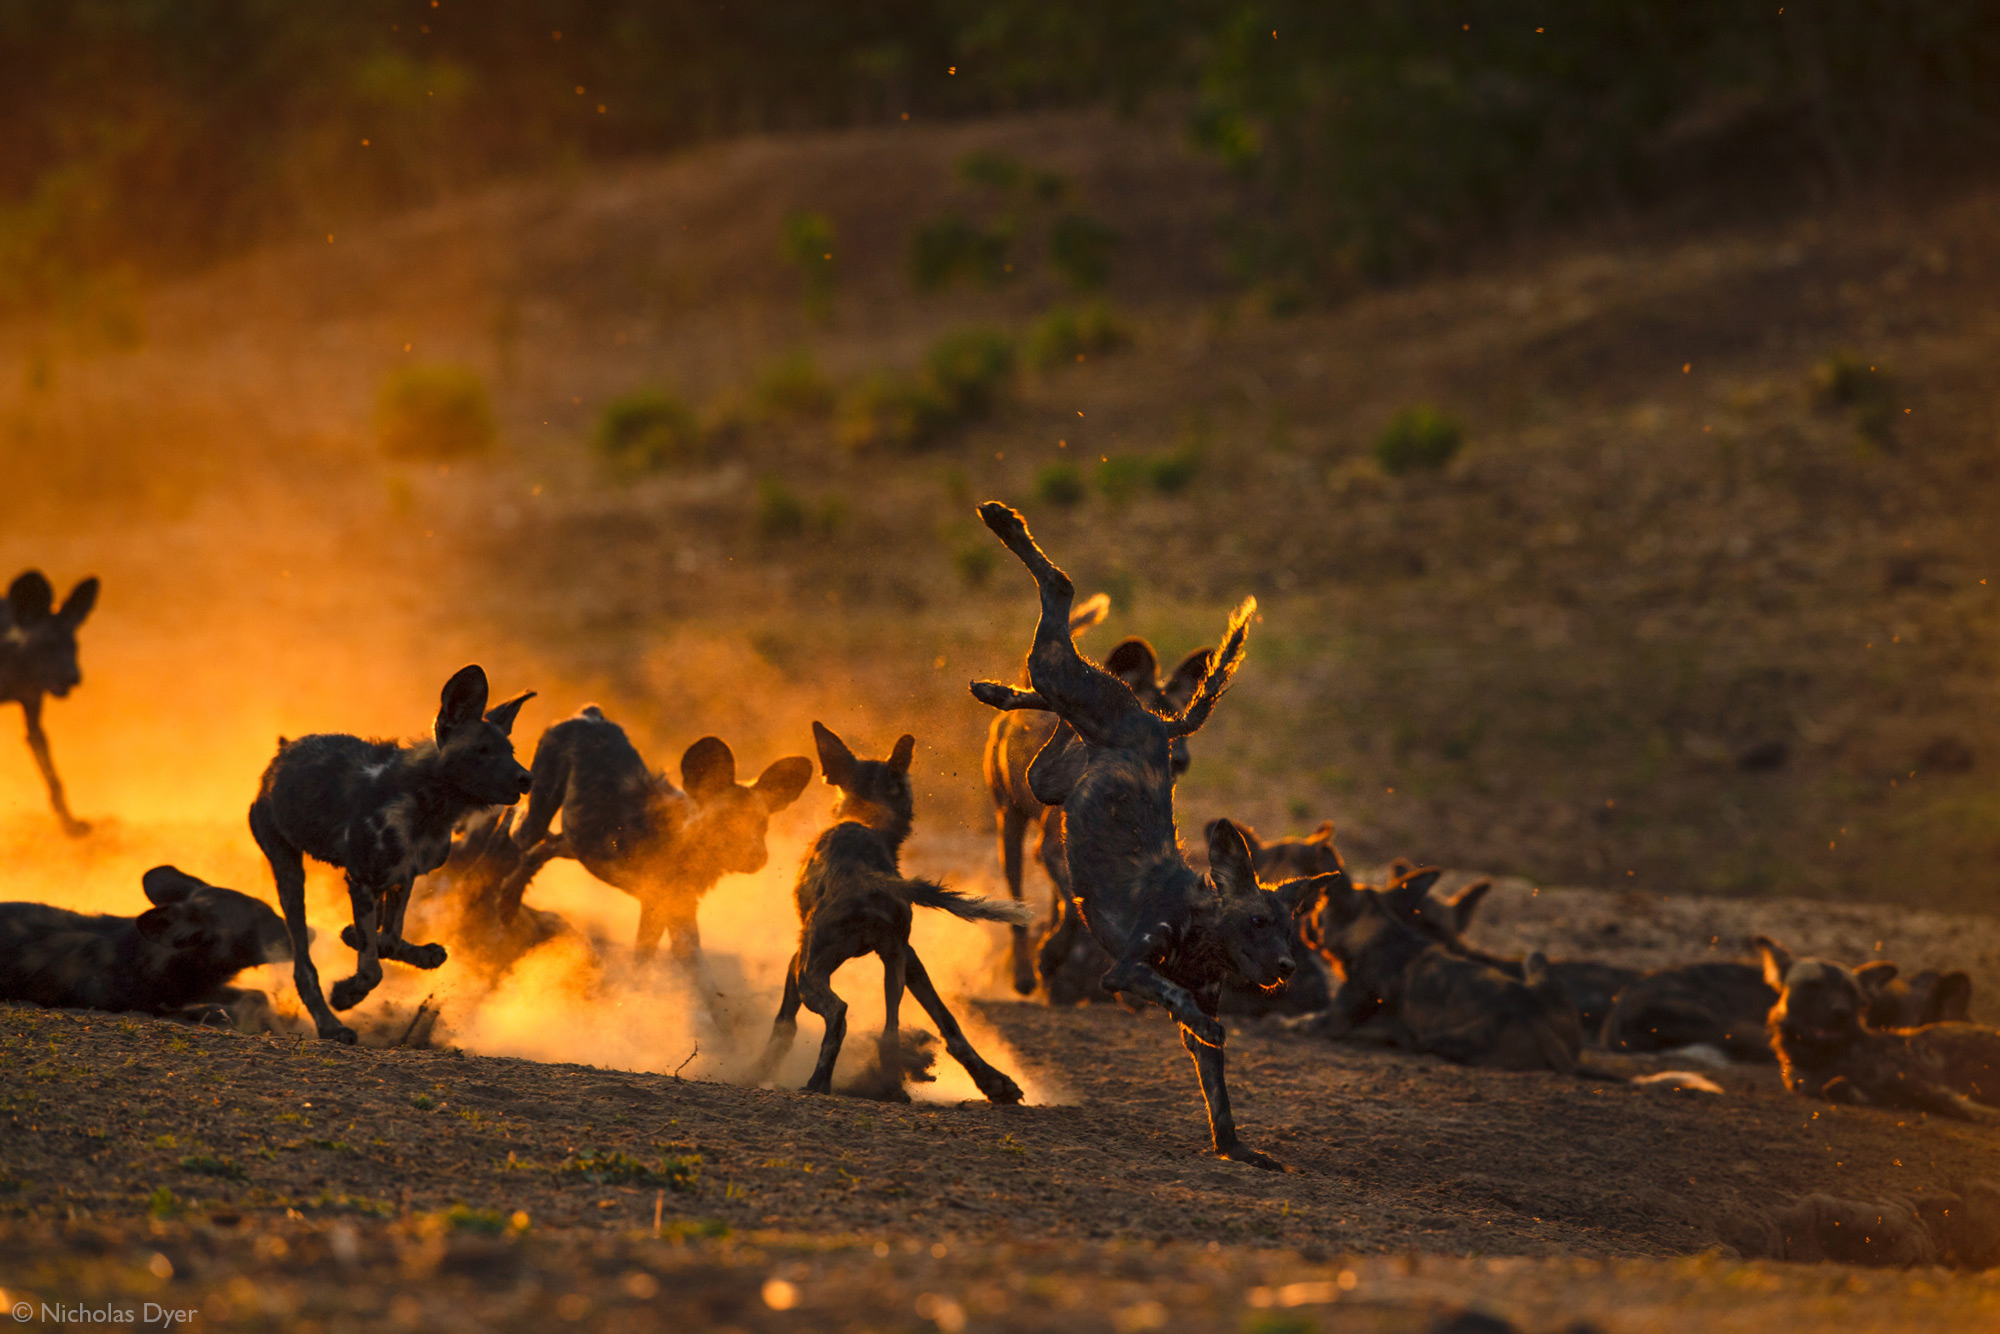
point(648, 431)
point(1065, 335)
point(1059, 484)
point(793, 387)
point(1867, 392)
point(1418, 438)
point(434, 414)
point(1170, 473)
point(210, 1165)
point(1080, 250)
point(948, 249)
point(893, 411)
point(163, 1203)
point(971, 369)
point(975, 562)
point(1120, 477)
point(611, 1167)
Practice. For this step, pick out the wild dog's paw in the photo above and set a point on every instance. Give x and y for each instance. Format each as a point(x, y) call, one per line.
point(1206, 1028)
point(424, 956)
point(337, 1033)
point(74, 827)
point(997, 1086)
point(1243, 1153)
point(349, 992)
point(1024, 972)
point(1005, 521)
point(350, 937)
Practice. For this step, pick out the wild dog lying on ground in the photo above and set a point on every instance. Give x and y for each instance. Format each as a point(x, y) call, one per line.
point(1067, 962)
point(383, 812)
point(1720, 1005)
point(854, 900)
point(1435, 999)
point(176, 958)
point(633, 829)
point(1825, 1049)
point(1931, 997)
point(37, 658)
point(1175, 936)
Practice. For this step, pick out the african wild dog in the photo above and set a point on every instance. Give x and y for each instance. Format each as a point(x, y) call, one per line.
point(461, 899)
point(1825, 1048)
point(37, 658)
point(853, 900)
point(1174, 936)
point(1067, 962)
point(1930, 997)
point(1311, 988)
point(383, 812)
point(1435, 999)
point(635, 831)
point(176, 958)
point(1720, 1004)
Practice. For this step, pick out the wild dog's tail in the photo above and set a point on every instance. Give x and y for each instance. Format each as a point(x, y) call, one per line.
point(926, 894)
point(1090, 612)
point(1222, 665)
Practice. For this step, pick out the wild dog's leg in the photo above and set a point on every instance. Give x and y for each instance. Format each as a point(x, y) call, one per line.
point(38, 742)
point(369, 908)
point(1208, 1063)
point(783, 1029)
point(889, 1049)
point(1013, 833)
point(995, 1084)
point(816, 991)
point(684, 944)
point(507, 897)
point(289, 871)
point(1135, 976)
point(390, 939)
point(1077, 690)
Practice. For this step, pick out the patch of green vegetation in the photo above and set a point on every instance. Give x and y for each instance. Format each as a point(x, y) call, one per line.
point(365, 1205)
point(423, 1102)
point(1120, 477)
point(1080, 250)
point(163, 1203)
point(1065, 335)
point(806, 241)
point(434, 414)
point(1866, 392)
point(975, 562)
point(209, 1165)
point(948, 249)
point(333, 1145)
point(290, 1118)
point(972, 369)
point(1418, 439)
point(613, 1167)
point(891, 411)
point(649, 431)
point(681, 1229)
point(792, 387)
point(1059, 484)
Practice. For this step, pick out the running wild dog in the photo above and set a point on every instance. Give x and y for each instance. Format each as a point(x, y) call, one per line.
point(634, 830)
point(1439, 1000)
point(1825, 1049)
point(37, 658)
point(1174, 936)
point(176, 958)
point(854, 900)
point(383, 812)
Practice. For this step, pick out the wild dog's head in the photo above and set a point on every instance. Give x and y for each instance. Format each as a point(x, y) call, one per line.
point(475, 749)
point(1256, 926)
point(1820, 1003)
point(1408, 899)
point(872, 792)
point(1930, 997)
point(1135, 663)
point(728, 822)
point(209, 926)
point(42, 636)
point(1290, 858)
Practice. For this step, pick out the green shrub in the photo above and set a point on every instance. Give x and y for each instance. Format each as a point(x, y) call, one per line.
point(1064, 335)
point(602, 1167)
point(1059, 484)
point(793, 387)
point(210, 1165)
point(434, 414)
point(971, 369)
point(949, 248)
point(1080, 250)
point(805, 240)
point(782, 514)
point(1418, 438)
point(1121, 476)
point(1867, 392)
point(647, 431)
point(898, 412)
point(1170, 473)
point(975, 562)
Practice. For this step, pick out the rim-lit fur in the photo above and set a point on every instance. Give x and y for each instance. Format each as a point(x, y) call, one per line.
point(38, 657)
point(176, 958)
point(853, 900)
point(383, 811)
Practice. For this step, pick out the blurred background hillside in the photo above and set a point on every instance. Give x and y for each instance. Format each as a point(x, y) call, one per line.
point(1599, 399)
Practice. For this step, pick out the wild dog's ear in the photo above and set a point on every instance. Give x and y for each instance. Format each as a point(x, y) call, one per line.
point(1409, 894)
point(1187, 677)
point(166, 885)
point(1229, 864)
point(502, 715)
point(782, 781)
point(1535, 968)
point(1399, 868)
point(155, 922)
point(1303, 896)
point(1133, 662)
point(1950, 1000)
point(29, 598)
point(1091, 611)
point(1340, 903)
point(1057, 766)
point(78, 604)
point(1875, 975)
point(906, 749)
point(1250, 839)
point(708, 767)
point(1466, 902)
point(1777, 962)
point(1323, 834)
point(836, 761)
point(462, 704)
